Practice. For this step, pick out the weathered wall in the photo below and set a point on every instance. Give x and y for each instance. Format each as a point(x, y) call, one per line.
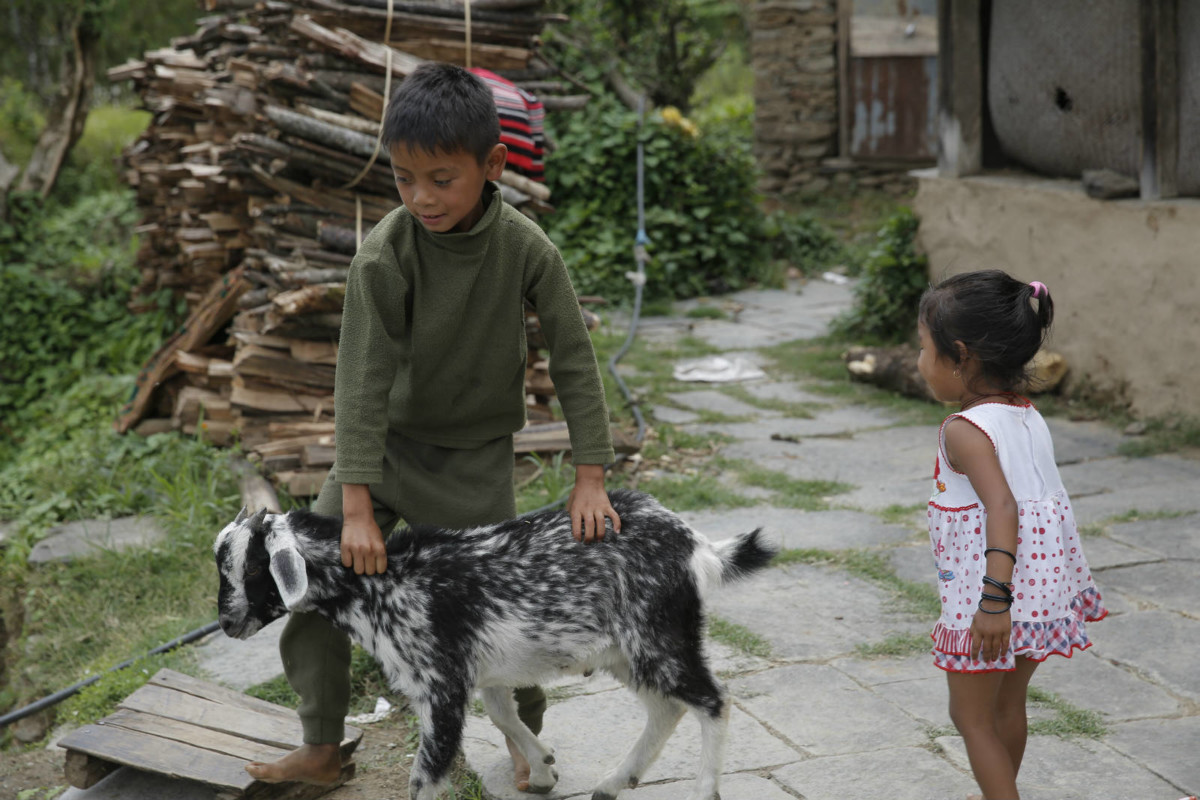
point(793, 52)
point(1125, 275)
point(794, 55)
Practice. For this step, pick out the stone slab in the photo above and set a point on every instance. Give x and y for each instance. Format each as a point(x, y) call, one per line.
point(1160, 645)
point(83, 538)
point(1167, 584)
point(733, 787)
point(914, 562)
point(1104, 552)
point(591, 733)
point(796, 528)
point(813, 613)
point(787, 391)
point(836, 422)
point(1168, 747)
point(717, 402)
point(1075, 769)
point(1077, 441)
point(1176, 537)
point(242, 663)
point(127, 783)
point(900, 773)
point(672, 415)
point(1108, 487)
point(1091, 681)
point(912, 684)
point(822, 712)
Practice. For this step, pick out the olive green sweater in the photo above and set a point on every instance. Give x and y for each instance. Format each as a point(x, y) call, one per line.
point(433, 340)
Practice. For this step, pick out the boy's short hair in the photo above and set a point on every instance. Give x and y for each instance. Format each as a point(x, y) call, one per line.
point(442, 107)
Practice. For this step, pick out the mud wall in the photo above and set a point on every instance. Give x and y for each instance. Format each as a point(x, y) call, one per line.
point(1125, 275)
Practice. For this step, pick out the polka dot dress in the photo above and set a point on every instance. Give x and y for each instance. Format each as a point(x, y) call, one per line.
point(1054, 594)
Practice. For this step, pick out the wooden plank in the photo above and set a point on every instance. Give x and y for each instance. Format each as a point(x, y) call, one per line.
point(268, 728)
point(170, 679)
point(228, 744)
point(960, 87)
point(152, 754)
point(553, 437)
point(1159, 43)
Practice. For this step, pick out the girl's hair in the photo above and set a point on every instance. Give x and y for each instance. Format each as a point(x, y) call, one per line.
point(442, 107)
point(991, 313)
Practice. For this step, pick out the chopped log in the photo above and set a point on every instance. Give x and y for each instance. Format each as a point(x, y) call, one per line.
point(356, 48)
point(893, 368)
point(257, 492)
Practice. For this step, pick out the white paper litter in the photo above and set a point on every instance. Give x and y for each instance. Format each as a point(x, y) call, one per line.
point(717, 369)
point(382, 709)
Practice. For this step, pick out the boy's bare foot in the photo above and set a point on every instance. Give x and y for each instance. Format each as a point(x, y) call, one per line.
point(520, 766)
point(320, 764)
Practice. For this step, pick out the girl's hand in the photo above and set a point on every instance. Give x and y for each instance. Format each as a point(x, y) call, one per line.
point(990, 633)
point(588, 505)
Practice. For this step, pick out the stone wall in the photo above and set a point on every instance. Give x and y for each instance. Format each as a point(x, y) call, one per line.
point(794, 56)
point(1122, 273)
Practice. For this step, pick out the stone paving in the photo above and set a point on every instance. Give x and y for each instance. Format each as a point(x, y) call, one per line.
point(817, 719)
point(820, 721)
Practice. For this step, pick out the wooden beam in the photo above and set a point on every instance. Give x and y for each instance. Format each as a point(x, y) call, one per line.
point(1158, 40)
point(845, 17)
point(960, 87)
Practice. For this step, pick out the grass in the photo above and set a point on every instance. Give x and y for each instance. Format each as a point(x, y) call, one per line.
point(788, 408)
point(738, 637)
point(870, 565)
point(786, 491)
point(1068, 721)
point(898, 645)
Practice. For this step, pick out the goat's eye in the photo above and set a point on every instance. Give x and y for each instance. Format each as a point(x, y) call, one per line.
point(252, 571)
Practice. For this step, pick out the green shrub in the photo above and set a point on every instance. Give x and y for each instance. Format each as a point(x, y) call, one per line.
point(893, 278)
point(66, 276)
point(705, 227)
point(802, 241)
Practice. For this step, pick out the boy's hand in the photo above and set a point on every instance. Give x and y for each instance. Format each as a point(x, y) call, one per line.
point(990, 633)
point(362, 541)
point(588, 505)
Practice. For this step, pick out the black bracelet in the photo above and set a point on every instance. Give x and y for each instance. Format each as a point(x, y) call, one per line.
point(1004, 610)
point(999, 550)
point(1007, 588)
point(998, 598)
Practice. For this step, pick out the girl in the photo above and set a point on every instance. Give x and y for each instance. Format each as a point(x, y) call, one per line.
point(1014, 584)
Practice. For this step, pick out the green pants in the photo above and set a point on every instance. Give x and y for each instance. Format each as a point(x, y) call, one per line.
point(421, 484)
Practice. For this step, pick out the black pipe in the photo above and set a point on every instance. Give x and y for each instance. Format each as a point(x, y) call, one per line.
point(63, 694)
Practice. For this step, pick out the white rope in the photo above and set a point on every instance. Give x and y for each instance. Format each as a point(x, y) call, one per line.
point(387, 93)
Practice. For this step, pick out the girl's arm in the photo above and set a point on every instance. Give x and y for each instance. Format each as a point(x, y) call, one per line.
point(971, 452)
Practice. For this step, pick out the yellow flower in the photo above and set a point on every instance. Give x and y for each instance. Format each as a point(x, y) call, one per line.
point(671, 116)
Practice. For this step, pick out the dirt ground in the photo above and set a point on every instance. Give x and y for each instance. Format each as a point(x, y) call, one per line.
point(383, 759)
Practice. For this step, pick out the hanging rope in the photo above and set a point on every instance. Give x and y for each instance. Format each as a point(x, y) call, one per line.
point(467, 13)
point(387, 94)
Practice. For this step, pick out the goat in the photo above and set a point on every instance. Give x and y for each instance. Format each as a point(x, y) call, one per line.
point(504, 605)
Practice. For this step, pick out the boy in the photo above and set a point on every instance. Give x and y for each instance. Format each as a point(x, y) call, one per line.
point(430, 379)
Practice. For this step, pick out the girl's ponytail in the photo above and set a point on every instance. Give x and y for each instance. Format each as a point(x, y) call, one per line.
point(1045, 306)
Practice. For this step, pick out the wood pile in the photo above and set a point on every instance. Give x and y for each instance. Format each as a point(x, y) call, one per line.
point(258, 176)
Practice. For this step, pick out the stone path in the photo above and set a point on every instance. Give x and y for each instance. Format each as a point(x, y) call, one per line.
point(820, 721)
point(816, 718)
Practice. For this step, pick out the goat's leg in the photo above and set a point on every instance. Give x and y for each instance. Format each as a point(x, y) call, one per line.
point(714, 728)
point(502, 708)
point(662, 715)
point(441, 717)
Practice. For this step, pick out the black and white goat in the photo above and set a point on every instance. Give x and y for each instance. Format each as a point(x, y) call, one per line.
point(511, 604)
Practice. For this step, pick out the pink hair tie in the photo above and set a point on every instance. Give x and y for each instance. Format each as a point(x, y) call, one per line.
point(1039, 289)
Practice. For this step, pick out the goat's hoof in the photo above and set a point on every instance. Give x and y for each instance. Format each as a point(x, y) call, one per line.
point(603, 796)
point(539, 788)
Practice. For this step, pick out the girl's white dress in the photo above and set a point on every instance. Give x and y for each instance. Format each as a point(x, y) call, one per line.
point(1054, 595)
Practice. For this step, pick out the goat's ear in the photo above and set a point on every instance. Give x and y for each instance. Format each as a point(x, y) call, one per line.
point(291, 577)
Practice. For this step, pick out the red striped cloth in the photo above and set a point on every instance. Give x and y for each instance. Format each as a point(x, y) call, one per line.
point(521, 119)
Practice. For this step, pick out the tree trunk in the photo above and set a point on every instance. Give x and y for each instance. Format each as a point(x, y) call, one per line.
point(65, 121)
point(8, 174)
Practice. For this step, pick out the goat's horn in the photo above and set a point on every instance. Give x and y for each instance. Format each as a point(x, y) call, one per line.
point(258, 518)
point(241, 516)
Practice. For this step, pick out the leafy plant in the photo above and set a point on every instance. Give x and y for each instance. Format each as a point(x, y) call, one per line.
point(803, 241)
point(705, 228)
point(886, 298)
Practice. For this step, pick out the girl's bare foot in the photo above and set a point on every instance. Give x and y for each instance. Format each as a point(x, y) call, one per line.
point(520, 766)
point(319, 764)
point(974, 797)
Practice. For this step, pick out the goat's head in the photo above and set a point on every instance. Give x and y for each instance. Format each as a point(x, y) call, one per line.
point(262, 572)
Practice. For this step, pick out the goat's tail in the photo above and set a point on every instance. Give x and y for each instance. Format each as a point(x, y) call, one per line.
point(732, 559)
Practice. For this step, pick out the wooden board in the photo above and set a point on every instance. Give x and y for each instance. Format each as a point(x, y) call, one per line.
point(186, 728)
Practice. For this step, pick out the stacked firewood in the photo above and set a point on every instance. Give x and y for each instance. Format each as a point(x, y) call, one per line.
point(258, 176)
